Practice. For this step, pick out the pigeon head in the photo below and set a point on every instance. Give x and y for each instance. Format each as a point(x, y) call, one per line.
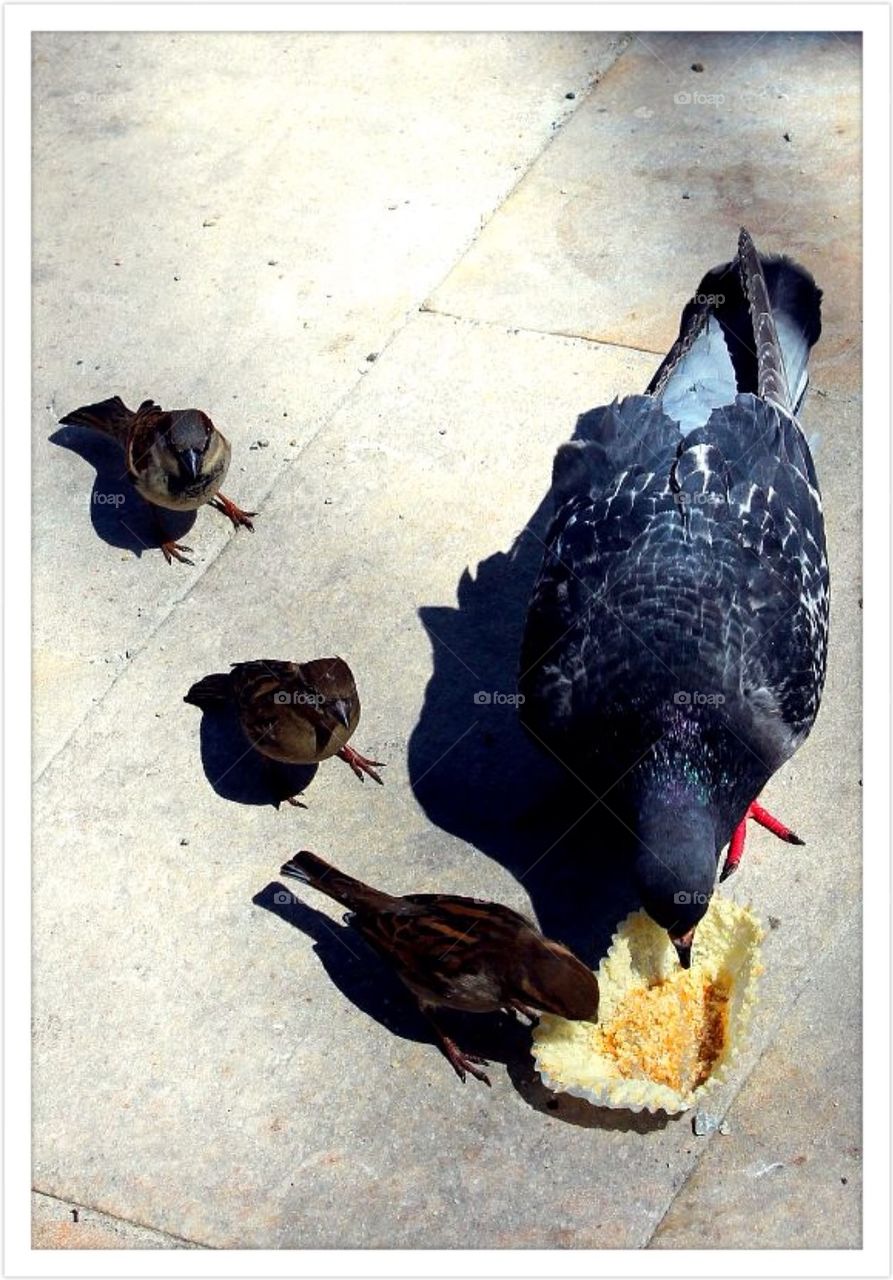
point(675, 869)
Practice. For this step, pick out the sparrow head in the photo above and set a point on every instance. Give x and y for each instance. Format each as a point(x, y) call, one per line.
point(332, 691)
point(195, 445)
point(675, 869)
point(177, 458)
point(551, 979)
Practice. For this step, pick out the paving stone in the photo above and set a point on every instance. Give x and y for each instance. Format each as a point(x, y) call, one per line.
point(612, 229)
point(55, 1224)
point(786, 1173)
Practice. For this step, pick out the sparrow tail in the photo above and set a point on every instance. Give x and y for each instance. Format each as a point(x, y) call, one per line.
point(110, 416)
point(213, 691)
point(321, 875)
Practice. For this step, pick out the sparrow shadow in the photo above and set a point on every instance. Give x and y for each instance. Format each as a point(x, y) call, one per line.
point(119, 515)
point(237, 772)
point(477, 773)
point(373, 987)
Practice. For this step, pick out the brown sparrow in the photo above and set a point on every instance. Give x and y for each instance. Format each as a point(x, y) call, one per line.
point(175, 458)
point(293, 712)
point(460, 953)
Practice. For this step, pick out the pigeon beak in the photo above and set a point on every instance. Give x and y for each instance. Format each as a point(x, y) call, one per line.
point(191, 462)
point(683, 947)
point(341, 712)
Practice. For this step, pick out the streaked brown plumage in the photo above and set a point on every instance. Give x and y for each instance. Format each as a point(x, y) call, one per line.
point(176, 458)
point(460, 953)
point(293, 712)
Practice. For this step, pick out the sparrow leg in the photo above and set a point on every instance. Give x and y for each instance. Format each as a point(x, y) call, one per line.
point(458, 1060)
point(278, 783)
point(170, 548)
point(236, 514)
point(532, 1015)
point(361, 765)
point(736, 844)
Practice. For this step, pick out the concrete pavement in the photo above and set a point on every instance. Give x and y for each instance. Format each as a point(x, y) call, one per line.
point(394, 269)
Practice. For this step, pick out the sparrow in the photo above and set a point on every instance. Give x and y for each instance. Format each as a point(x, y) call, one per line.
point(176, 458)
point(292, 712)
point(675, 644)
point(459, 953)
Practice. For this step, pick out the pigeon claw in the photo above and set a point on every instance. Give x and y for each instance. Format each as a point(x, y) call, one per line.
point(736, 844)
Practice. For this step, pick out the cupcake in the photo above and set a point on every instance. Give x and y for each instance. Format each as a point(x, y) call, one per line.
point(665, 1034)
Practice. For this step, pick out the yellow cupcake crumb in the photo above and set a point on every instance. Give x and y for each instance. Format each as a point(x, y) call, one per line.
point(664, 1034)
point(671, 1032)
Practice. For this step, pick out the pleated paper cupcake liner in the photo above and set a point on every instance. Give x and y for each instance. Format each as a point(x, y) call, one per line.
point(665, 1036)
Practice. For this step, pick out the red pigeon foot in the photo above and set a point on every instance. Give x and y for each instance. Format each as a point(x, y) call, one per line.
point(736, 844)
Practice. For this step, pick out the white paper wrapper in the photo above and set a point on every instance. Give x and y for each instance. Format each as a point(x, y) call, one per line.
point(571, 1057)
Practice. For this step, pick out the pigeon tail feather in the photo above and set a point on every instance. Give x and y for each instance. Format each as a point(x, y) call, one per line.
point(749, 328)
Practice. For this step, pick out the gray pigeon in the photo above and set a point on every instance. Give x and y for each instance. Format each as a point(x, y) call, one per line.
point(674, 650)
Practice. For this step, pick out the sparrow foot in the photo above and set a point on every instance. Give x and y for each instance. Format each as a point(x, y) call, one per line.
point(236, 514)
point(736, 844)
point(170, 548)
point(460, 1062)
point(295, 802)
point(361, 765)
point(525, 1011)
point(172, 552)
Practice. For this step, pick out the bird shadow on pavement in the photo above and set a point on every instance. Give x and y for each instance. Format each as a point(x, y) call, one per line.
point(237, 772)
point(477, 773)
point(119, 515)
point(372, 986)
point(479, 776)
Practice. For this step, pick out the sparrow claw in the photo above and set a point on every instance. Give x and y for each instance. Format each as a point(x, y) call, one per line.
point(236, 514)
point(525, 1011)
point(468, 1062)
point(172, 552)
point(460, 1061)
point(295, 802)
point(361, 765)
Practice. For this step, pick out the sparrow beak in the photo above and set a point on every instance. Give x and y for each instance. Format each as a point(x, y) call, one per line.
point(341, 712)
point(683, 947)
point(191, 462)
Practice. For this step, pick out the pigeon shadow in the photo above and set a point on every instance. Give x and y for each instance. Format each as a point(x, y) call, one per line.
point(478, 775)
point(119, 515)
point(237, 772)
point(372, 986)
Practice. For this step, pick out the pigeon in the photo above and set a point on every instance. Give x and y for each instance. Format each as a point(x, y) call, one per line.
point(460, 953)
point(176, 459)
point(674, 649)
